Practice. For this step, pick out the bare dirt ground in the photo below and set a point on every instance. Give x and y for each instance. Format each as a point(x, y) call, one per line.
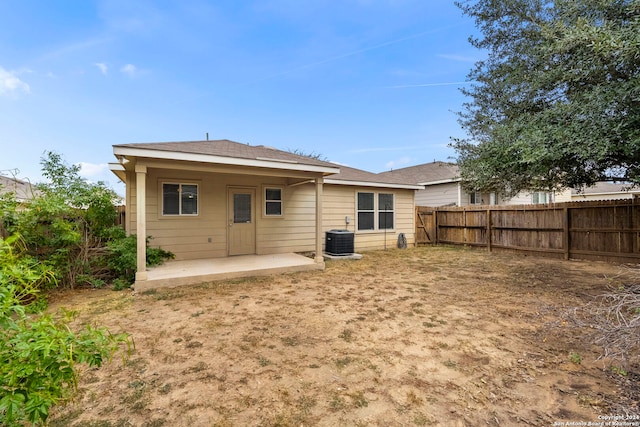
point(424, 336)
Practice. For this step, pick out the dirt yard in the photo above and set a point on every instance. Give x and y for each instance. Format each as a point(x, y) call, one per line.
point(425, 336)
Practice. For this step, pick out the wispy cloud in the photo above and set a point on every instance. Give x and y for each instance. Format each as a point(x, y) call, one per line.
point(460, 58)
point(404, 73)
point(10, 83)
point(382, 149)
point(130, 70)
point(104, 69)
point(344, 55)
point(427, 85)
point(73, 47)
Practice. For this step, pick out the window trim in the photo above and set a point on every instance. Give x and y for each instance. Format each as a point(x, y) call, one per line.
point(265, 201)
point(536, 195)
point(179, 183)
point(376, 212)
point(371, 211)
point(475, 198)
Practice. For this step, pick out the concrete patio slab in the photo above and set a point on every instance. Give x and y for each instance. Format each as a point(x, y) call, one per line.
point(191, 272)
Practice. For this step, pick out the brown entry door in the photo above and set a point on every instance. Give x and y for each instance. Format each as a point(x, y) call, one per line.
point(242, 221)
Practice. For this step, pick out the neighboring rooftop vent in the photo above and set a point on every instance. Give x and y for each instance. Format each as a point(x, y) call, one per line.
point(339, 242)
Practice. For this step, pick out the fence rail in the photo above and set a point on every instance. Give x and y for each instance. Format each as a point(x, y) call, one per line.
point(597, 230)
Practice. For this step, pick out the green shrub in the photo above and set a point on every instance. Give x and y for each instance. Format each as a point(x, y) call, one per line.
point(39, 354)
point(122, 258)
point(65, 223)
point(70, 225)
point(24, 273)
point(121, 284)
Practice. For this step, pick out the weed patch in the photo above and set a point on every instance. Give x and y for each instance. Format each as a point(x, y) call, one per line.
point(347, 335)
point(343, 362)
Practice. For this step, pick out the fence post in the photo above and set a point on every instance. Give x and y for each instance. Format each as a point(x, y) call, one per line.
point(634, 223)
point(615, 226)
point(435, 225)
point(566, 230)
point(464, 226)
point(488, 230)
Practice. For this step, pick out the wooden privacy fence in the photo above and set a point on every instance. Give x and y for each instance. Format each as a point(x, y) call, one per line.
point(599, 230)
point(121, 212)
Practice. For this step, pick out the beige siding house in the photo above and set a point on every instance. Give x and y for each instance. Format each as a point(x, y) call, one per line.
point(216, 199)
point(377, 209)
point(442, 187)
point(441, 183)
point(22, 190)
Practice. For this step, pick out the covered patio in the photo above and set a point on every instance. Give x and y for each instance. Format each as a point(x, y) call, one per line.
point(191, 272)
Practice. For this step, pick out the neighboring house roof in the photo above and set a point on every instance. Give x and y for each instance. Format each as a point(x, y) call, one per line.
point(352, 176)
point(22, 189)
point(235, 153)
point(426, 173)
point(605, 188)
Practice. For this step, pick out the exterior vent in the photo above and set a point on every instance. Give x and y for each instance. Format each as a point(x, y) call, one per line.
point(339, 242)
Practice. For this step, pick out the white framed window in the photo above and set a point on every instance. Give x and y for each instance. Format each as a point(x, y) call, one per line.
point(385, 211)
point(475, 198)
point(273, 201)
point(179, 199)
point(540, 197)
point(366, 211)
point(375, 211)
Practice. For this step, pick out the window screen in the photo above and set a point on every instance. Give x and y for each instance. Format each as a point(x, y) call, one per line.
point(366, 212)
point(273, 201)
point(171, 199)
point(385, 211)
point(179, 199)
point(540, 197)
point(475, 198)
point(189, 195)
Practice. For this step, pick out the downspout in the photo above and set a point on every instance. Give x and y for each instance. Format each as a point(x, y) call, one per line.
point(319, 257)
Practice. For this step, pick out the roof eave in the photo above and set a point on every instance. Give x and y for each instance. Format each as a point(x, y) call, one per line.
point(118, 170)
point(442, 181)
point(373, 184)
point(607, 193)
point(119, 151)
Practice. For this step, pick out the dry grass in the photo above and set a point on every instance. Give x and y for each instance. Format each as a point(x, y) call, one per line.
point(425, 336)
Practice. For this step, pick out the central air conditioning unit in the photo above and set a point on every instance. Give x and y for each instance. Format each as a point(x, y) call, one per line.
point(339, 242)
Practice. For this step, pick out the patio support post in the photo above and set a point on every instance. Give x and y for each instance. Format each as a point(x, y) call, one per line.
point(319, 258)
point(141, 229)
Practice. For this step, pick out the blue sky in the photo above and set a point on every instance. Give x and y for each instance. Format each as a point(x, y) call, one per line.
point(372, 84)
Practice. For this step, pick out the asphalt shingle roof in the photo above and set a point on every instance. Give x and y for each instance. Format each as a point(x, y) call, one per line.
point(605, 187)
point(226, 148)
point(352, 174)
point(424, 173)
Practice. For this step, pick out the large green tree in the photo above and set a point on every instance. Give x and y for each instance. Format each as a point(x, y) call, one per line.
point(556, 102)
